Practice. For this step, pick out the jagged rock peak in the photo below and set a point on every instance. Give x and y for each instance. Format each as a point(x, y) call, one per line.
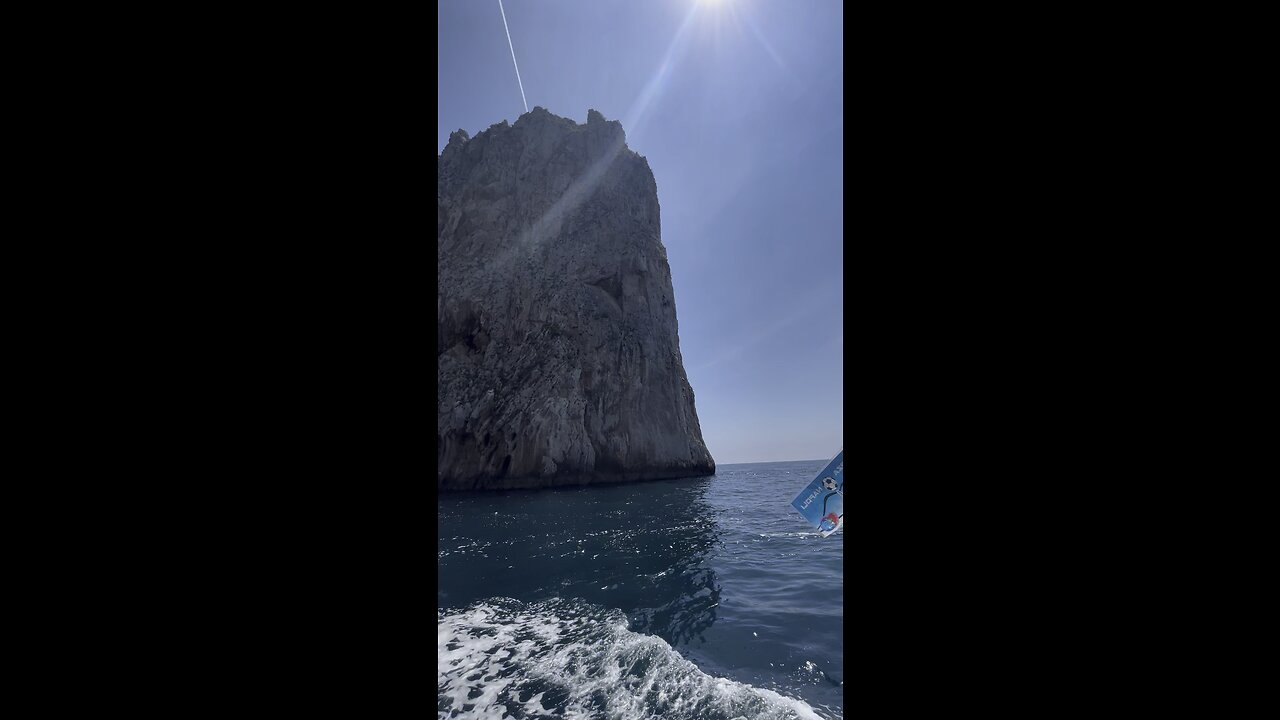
point(541, 117)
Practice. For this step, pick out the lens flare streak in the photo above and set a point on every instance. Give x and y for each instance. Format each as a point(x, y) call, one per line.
point(513, 55)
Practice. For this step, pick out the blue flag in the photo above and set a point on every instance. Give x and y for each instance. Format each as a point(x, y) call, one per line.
point(822, 500)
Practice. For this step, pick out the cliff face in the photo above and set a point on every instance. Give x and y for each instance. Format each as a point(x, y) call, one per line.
point(558, 357)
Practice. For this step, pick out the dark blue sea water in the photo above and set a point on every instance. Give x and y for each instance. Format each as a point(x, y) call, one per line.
point(704, 598)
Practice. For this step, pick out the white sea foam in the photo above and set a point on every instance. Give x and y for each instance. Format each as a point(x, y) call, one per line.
point(566, 658)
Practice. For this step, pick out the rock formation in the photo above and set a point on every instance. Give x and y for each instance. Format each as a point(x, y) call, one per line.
point(558, 356)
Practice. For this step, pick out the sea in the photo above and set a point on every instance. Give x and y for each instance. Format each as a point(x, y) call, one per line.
point(707, 598)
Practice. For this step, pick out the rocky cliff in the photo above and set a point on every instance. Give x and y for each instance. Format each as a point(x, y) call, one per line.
point(558, 356)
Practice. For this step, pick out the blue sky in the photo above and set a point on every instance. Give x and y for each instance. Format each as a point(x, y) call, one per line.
point(738, 105)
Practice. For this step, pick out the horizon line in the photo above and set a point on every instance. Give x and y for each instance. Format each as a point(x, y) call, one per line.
point(761, 462)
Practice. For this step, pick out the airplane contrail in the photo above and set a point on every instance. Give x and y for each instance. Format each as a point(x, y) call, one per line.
point(513, 56)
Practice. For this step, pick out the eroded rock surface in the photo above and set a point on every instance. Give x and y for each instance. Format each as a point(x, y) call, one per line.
point(559, 361)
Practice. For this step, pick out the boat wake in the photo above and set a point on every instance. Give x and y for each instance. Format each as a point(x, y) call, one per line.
point(500, 658)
